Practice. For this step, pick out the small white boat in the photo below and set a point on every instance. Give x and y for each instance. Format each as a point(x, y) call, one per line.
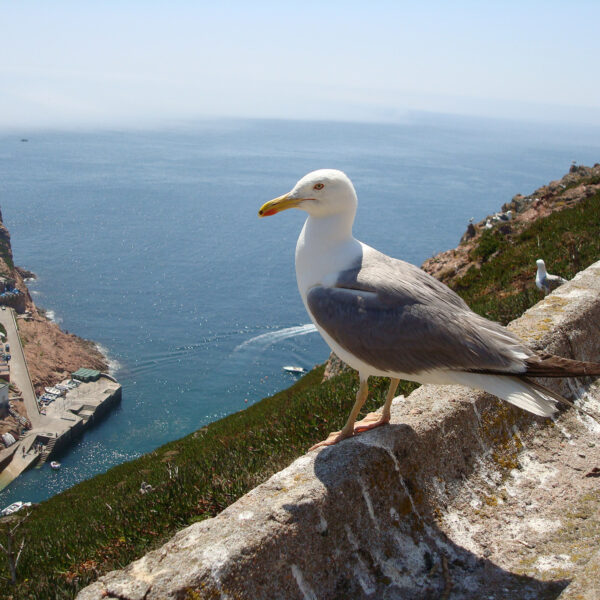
point(294, 370)
point(53, 391)
point(13, 508)
point(55, 465)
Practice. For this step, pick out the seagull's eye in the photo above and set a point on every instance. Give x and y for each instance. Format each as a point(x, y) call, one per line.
point(318, 186)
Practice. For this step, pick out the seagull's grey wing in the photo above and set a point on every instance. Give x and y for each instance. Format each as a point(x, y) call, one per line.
point(397, 318)
point(554, 281)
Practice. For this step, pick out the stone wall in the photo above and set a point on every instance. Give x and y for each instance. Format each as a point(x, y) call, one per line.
point(461, 496)
point(16, 301)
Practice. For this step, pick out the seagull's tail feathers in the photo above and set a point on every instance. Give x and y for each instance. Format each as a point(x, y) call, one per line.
point(517, 391)
point(548, 392)
point(548, 365)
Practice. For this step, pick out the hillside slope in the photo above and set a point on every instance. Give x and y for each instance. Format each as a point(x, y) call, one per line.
point(479, 243)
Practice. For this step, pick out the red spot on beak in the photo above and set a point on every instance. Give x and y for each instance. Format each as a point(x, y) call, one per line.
point(268, 213)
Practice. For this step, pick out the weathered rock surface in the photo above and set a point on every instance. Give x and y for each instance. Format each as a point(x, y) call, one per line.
point(461, 496)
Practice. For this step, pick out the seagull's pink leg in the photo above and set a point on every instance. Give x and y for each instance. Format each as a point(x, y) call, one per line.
point(373, 420)
point(348, 429)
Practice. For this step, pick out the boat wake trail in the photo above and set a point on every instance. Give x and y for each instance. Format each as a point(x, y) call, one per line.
point(266, 339)
point(257, 344)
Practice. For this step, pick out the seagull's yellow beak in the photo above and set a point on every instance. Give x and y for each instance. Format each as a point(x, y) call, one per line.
point(278, 204)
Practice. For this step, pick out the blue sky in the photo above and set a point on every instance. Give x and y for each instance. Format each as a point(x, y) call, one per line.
point(127, 62)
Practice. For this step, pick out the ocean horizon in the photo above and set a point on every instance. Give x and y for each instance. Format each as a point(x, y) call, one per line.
point(148, 243)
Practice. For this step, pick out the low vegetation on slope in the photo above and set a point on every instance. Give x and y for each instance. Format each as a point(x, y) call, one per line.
point(105, 522)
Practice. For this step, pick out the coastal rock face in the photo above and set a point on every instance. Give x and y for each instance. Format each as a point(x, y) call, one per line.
point(580, 183)
point(6, 258)
point(51, 353)
point(462, 496)
point(25, 274)
point(10, 425)
point(334, 366)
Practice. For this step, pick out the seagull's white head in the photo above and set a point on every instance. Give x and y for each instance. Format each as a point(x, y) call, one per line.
point(322, 193)
point(541, 265)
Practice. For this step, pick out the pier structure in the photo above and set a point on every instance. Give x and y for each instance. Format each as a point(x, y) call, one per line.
point(64, 419)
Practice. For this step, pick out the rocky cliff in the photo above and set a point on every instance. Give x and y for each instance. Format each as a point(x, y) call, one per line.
point(51, 353)
point(578, 184)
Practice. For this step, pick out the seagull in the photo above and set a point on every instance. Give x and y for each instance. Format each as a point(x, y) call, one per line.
point(386, 317)
point(544, 280)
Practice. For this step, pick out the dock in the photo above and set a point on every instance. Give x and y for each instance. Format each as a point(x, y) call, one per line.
point(64, 420)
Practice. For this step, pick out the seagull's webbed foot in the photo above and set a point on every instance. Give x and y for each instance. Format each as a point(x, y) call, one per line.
point(333, 438)
point(371, 421)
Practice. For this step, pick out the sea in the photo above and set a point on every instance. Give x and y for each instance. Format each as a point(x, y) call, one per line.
point(148, 242)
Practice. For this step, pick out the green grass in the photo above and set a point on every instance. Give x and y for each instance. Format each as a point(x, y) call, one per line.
point(6, 256)
point(105, 523)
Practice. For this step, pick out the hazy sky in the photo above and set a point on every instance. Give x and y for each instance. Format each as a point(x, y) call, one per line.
point(119, 62)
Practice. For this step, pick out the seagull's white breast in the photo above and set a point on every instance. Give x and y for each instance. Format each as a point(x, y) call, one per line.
point(320, 256)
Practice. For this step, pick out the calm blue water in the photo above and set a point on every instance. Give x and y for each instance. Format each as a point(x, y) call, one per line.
point(149, 243)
